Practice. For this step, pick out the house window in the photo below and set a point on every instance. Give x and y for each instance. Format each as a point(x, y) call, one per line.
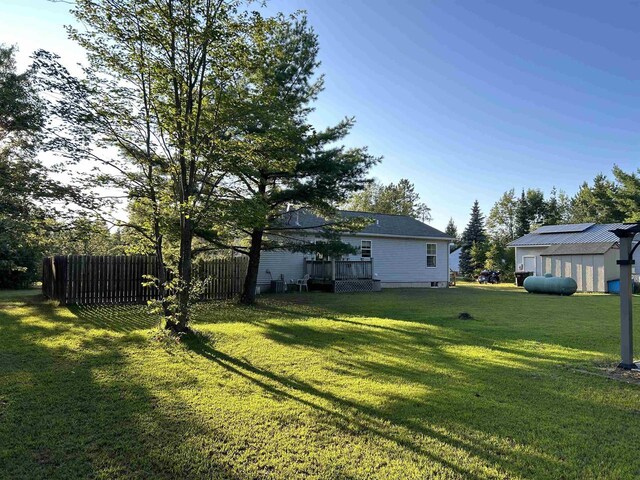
point(431, 255)
point(365, 248)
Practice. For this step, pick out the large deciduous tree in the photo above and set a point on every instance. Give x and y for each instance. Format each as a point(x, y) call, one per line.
point(152, 115)
point(501, 221)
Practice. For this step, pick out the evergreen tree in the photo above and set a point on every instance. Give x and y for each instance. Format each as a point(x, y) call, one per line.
point(522, 222)
point(283, 160)
point(452, 231)
point(478, 257)
point(627, 197)
point(598, 203)
point(474, 234)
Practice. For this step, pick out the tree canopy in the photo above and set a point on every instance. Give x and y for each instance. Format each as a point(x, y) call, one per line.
point(285, 164)
point(27, 193)
point(394, 198)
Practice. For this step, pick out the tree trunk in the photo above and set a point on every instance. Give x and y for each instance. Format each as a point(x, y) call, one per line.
point(162, 280)
point(248, 296)
point(184, 272)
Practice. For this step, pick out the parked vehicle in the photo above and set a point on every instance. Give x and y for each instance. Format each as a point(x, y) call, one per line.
point(489, 276)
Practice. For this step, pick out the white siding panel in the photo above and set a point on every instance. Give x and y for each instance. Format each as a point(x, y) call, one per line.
point(566, 267)
point(577, 274)
point(404, 260)
point(557, 266)
point(588, 272)
point(531, 251)
point(280, 262)
point(599, 279)
point(546, 261)
point(396, 261)
point(611, 268)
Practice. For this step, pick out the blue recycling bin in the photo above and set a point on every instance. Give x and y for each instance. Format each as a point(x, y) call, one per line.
point(614, 286)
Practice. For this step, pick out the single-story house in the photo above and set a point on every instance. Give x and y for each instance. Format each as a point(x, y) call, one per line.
point(397, 250)
point(454, 260)
point(586, 252)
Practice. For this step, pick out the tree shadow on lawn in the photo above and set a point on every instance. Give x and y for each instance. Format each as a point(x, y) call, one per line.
point(487, 428)
point(513, 375)
point(71, 409)
point(116, 318)
point(586, 322)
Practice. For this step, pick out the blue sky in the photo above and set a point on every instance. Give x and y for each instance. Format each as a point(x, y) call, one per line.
point(466, 99)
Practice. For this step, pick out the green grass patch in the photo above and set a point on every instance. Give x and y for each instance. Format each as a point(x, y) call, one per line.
point(388, 385)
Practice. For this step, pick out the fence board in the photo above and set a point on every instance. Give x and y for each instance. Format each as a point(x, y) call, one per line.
point(117, 279)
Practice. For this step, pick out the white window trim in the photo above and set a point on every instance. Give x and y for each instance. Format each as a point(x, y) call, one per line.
point(370, 248)
point(427, 255)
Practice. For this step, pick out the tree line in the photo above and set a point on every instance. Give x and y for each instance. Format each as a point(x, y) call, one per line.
point(484, 241)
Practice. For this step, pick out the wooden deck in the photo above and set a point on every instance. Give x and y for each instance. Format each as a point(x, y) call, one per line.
point(339, 269)
point(341, 276)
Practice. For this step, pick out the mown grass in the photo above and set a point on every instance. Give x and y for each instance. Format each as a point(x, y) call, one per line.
point(389, 385)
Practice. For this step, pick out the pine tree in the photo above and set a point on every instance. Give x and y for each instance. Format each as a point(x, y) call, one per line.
point(473, 234)
point(452, 231)
point(523, 223)
point(628, 197)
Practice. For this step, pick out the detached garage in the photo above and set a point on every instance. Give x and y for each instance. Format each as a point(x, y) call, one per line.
point(586, 252)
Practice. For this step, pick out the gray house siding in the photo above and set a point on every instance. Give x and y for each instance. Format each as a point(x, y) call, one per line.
point(591, 272)
point(402, 262)
point(587, 270)
point(522, 252)
point(397, 262)
point(288, 264)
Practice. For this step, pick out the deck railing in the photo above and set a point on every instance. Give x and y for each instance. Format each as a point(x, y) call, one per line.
point(340, 269)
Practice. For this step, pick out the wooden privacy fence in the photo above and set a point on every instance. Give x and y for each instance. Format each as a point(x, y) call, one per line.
point(117, 279)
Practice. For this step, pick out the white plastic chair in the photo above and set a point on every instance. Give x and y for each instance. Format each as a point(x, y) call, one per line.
point(302, 283)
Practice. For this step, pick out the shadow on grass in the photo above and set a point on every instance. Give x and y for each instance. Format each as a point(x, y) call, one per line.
point(70, 408)
point(116, 318)
point(586, 322)
point(406, 413)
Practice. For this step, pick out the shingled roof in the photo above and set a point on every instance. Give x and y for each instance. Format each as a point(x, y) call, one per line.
point(382, 224)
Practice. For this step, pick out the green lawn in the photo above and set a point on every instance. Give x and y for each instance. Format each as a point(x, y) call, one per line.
point(389, 385)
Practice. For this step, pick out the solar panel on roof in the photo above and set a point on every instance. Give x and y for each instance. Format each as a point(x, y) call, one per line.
point(571, 228)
